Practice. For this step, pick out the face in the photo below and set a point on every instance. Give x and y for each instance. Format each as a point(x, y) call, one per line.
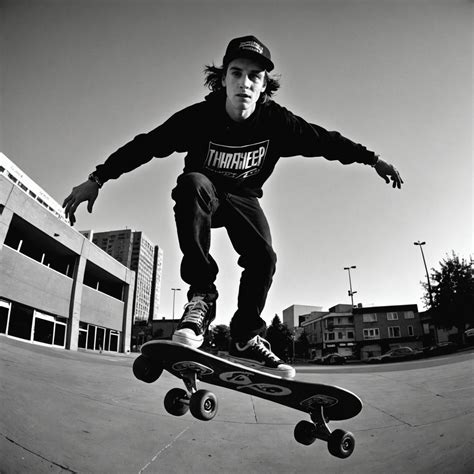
point(244, 81)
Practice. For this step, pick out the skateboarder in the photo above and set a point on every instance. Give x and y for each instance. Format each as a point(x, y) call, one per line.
point(233, 140)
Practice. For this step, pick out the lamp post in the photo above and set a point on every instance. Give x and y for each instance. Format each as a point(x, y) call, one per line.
point(174, 290)
point(420, 244)
point(351, 293)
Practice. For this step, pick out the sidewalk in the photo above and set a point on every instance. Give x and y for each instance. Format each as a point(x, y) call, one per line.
point(77, 412)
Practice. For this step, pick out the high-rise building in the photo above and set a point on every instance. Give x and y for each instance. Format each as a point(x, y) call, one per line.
point(136, 251)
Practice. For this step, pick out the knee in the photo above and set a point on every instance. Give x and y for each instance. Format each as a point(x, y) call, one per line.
point(263, 260)
point(194, 189)
point(270, 259)
point(192, 183)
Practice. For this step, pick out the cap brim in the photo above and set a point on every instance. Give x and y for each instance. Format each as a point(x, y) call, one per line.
point(266, 63)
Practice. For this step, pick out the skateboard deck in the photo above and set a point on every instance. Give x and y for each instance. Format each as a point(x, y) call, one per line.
point(322, 402)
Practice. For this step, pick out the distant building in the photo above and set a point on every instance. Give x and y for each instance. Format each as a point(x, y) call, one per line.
point(379, 329)
point(332, 331)
point(134, 250)
point(294, 315)
point(363, 332)
point(56, 287)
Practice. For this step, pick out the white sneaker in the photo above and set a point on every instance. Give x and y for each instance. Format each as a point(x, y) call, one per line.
point(198, 315)
point(257, 354)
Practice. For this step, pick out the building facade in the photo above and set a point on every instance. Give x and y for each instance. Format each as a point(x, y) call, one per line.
point(56, 287)
point(134, 250)
point(332, 331)
point(379, 329)
point(294, 315)
point(363, 332)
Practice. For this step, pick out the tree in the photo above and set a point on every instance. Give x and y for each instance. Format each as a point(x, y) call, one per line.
point(302, 345)
point(280, 337)
point(220, 337)
point(452, 294)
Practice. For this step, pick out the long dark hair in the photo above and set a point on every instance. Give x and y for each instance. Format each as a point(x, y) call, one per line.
point(213, 80)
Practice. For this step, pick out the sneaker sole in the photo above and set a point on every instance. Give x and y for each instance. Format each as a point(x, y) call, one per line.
point(187, 340)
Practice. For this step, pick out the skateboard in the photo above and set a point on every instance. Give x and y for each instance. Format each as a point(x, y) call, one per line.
point(323, 403)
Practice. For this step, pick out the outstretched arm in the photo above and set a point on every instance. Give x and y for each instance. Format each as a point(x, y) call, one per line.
point(388, 172)
point(87, 191)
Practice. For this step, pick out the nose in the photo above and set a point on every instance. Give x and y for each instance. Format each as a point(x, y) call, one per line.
point(244, 82)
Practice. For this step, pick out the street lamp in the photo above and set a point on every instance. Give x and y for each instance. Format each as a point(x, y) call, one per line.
point(420, 244)
point(351, 293)
point(174, 290)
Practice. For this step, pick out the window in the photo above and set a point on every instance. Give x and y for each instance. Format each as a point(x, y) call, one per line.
point(409, 315)
point(350, 335)
point(392, 316)
point(394, 331)
point(372, 333)
point(410, 331)
point(369, 318)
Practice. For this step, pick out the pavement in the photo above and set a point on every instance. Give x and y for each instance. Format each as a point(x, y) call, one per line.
point(68, 412)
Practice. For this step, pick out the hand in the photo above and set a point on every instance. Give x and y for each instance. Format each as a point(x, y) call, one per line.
point(87, 191)
point(387, 172)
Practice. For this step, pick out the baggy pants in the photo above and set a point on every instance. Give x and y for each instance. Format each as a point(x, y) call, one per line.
point(199, 207)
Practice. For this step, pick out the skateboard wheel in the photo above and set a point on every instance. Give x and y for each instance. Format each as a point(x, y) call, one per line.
point(203, 405)
point(305, 433)
point(341, 443)
point(174, 402)
point(145, 370)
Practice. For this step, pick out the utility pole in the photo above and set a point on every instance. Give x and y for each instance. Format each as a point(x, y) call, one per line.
point(351, 293)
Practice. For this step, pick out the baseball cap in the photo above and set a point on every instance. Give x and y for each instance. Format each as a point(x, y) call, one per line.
point(249, 47)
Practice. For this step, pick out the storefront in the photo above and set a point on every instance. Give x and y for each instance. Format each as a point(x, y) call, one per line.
point(96, 338)
point(22, 322)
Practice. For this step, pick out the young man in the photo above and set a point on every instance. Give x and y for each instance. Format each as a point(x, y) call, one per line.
point(233, 140)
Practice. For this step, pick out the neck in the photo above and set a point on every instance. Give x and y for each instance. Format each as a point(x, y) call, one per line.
point(238, 115)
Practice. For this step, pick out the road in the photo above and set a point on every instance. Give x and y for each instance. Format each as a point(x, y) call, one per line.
point(64, 411)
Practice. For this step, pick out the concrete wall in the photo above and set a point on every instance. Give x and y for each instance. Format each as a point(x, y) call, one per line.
point(100, 309)
point(33, 284)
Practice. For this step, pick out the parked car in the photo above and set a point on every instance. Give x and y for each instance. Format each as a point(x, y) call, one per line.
point(395, 355)
point(440, 349)
point(329, 359)
point(469, 332)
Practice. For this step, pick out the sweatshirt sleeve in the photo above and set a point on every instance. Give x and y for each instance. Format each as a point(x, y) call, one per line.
point(300, 138)
point(158, 143)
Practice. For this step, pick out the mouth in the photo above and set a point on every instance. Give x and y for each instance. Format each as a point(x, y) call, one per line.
point(244, 96)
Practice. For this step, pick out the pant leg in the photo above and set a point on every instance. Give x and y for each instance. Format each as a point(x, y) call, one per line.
point(196, 203)
point(249, 233)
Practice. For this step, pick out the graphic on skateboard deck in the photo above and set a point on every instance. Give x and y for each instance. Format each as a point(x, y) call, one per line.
point(322, 402)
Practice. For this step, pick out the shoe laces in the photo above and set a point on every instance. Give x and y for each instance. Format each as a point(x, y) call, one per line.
point(195, 311)
point(263, 347)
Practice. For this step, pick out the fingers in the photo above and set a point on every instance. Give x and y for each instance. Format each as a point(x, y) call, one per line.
point(70, 209)
point(70, 205)
point(397, 180)
point(90, 204)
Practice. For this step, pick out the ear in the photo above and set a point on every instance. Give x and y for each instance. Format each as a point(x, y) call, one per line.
point(224, 73)
point(265, 82)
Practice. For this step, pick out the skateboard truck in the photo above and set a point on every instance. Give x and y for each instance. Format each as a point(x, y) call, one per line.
point(190, 380)
point(320, 423)
point(201, 403)
point(340, 443)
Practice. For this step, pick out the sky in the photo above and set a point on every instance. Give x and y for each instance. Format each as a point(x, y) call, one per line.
point(78, 79)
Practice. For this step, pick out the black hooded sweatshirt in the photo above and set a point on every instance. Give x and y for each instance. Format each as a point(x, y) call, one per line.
point(238, 157)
